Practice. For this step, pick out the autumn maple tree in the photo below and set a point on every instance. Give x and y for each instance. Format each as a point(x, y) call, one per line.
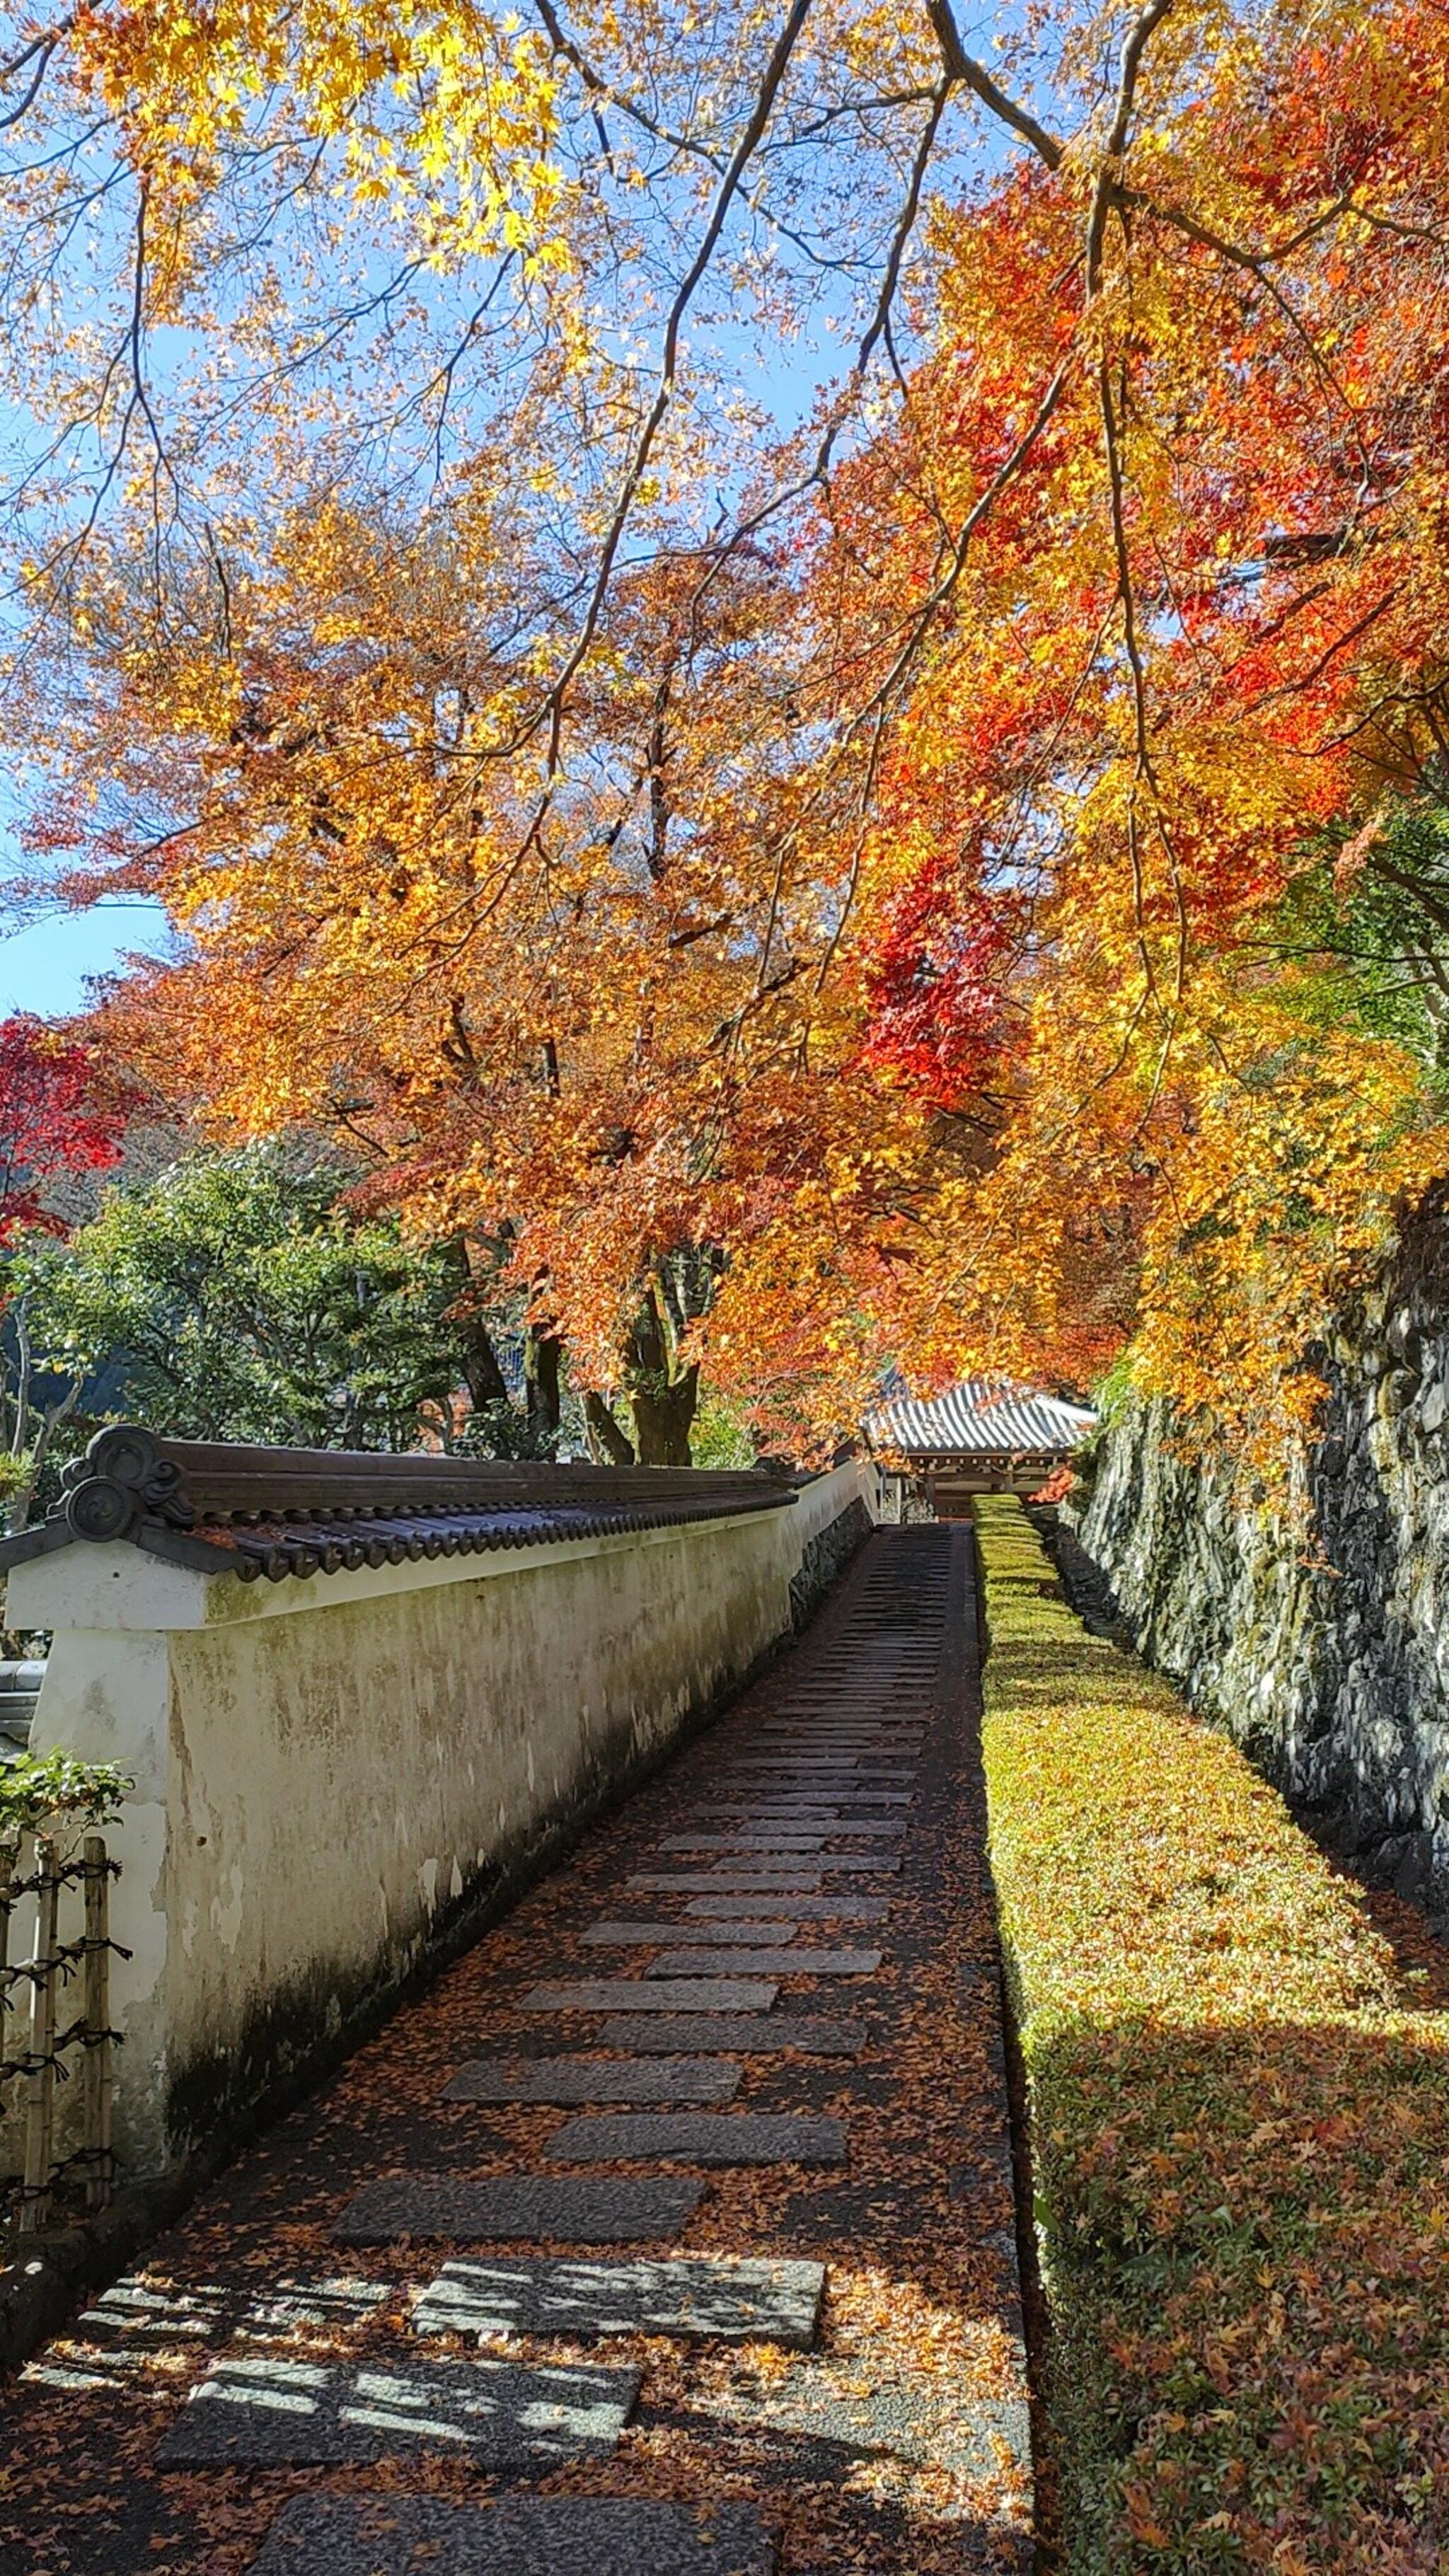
point(58, 1120)
point(869, 892)
point(61, 1122)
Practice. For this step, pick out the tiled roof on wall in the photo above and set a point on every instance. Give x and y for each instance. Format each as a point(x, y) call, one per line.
point(230, 1508)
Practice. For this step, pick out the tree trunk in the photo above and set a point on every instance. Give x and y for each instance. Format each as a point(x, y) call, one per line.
point(662, 1397)
point(24, 1494)
point(482, 1374)
point(605, 1434)
point(663, 1420)
point(542, 1352)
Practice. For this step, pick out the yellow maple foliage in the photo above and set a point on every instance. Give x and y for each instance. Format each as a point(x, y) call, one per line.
point(816, 905)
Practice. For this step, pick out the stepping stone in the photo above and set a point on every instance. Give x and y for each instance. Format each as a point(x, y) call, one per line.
point(736, 1882)
point(570, 2080)
point(743, 1842)
point(877, 1864)
point(791, 1789)
point(800, 1812)
point(692, 2296)
point(621, 1994)
point(780, 1799)
point(794, 1779)
point(766, 2037)
point(813, 1734)
point(393, 2535)
point(844, 1752)
point(698, 2138)
point(841, 1823)
point(775, 1963)
point(826, 1760)
point(810, 1813)
point(813, 1764)
point(847, 1754)
point(891, 1830)
point(847, 1764)
point(804, 1909)
point(724, 1878)
point(622, 1936)
point(769, 1790)
point(807, 1814)
point(519, 2205)
point(276, 2412)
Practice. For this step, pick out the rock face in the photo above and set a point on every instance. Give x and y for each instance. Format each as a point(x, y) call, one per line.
point(1323, 1646)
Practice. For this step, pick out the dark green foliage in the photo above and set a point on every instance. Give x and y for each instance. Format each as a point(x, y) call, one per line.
point(1377, 916)
point(239, 1297)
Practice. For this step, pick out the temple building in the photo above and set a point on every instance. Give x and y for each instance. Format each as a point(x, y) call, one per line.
point(984, 1436)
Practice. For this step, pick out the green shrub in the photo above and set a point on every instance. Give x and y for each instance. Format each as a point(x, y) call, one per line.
point(1240, 2131)
point(48, 1792)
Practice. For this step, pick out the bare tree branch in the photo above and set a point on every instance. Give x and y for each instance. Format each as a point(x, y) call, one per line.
point(963, 70)
point(1108, 176)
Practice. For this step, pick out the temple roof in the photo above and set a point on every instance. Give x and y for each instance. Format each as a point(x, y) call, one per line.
point(981, 1418)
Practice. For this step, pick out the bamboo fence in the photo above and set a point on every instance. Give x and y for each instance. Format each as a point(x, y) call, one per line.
point(43, 1885)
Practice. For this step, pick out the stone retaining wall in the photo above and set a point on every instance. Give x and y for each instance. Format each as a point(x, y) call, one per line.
point(1322, 1647)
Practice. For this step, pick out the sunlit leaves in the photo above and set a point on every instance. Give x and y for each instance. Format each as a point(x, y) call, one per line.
point(868, 860)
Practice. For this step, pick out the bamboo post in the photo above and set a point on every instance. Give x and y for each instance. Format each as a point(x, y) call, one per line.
point(40, 2068)
point(9, 1855)
point(97, 2106)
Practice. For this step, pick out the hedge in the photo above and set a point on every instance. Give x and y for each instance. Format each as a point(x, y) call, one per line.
point(1239, 2111)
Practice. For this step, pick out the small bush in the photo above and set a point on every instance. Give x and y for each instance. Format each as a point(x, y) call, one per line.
point(1240, 2131)
point(50, 1792)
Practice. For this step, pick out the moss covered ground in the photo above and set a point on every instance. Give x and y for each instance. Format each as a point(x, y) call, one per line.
point(1239, 2106)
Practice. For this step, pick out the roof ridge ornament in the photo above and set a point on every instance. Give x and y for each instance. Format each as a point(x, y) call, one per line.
point(122, 1480)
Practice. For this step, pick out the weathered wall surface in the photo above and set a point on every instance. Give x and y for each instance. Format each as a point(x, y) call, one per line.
point(1325, 1648)
point(336, 1776)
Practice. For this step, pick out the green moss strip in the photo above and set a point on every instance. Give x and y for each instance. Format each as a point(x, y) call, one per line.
point(1240, 2130)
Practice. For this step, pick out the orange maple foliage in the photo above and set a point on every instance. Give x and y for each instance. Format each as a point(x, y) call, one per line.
point(1200, 627)
point(815, 906)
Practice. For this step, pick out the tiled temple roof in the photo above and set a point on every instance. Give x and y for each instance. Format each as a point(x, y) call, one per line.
point(981, 1418)
point(224, 1507)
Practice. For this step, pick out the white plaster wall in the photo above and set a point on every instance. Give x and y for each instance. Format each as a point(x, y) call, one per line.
point(826, 1497)
point(322, 1766)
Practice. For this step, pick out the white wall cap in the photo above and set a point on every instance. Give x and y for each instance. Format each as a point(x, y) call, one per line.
point(112, 1585)
point(120, 1586)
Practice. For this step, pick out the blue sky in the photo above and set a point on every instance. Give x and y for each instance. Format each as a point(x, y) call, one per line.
point(44, 967)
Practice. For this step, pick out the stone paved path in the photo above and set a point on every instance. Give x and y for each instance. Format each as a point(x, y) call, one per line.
point(670, 2235)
